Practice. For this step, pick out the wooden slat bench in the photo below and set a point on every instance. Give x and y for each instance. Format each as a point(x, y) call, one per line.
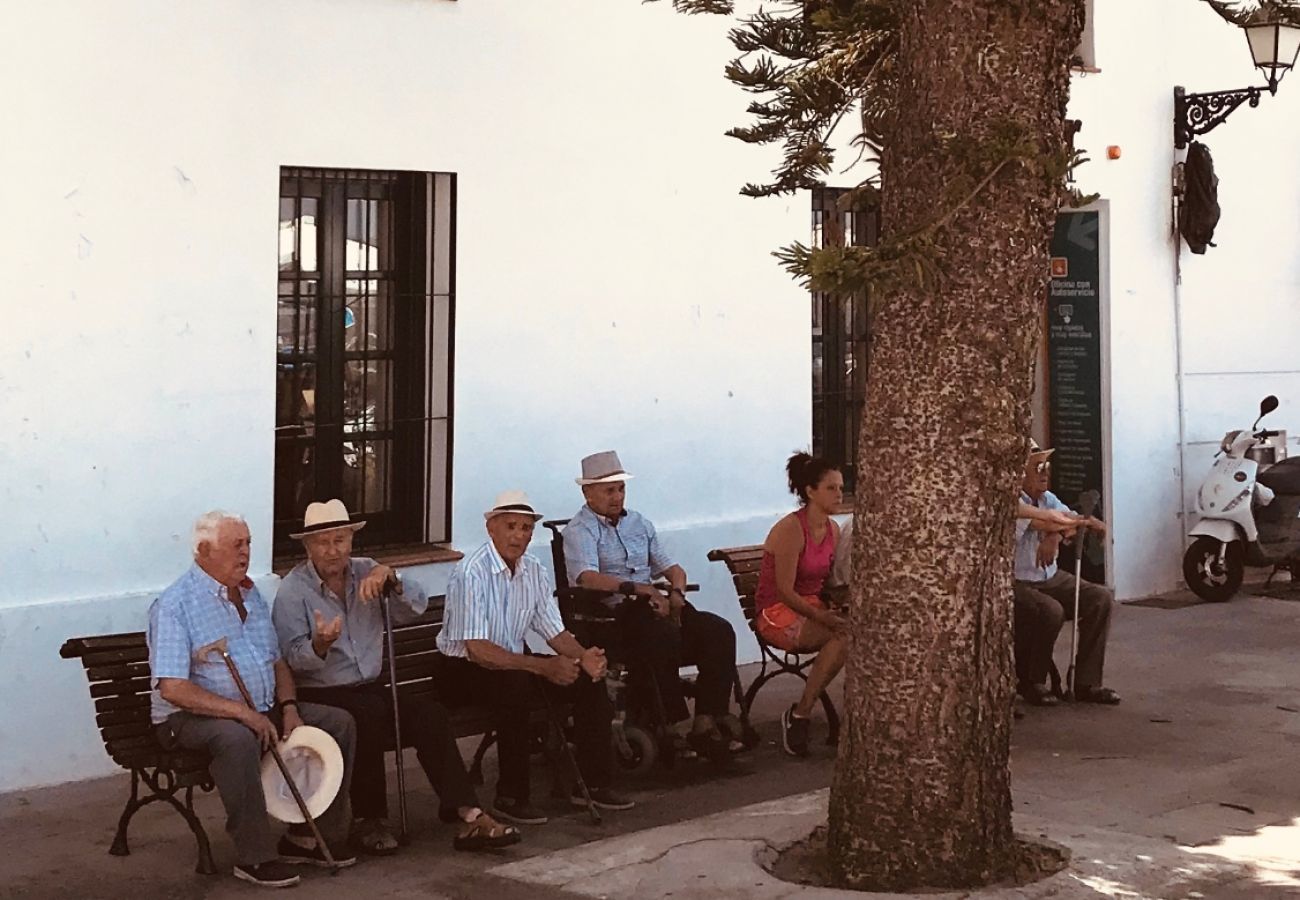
point(117, 667)
point(743, 563)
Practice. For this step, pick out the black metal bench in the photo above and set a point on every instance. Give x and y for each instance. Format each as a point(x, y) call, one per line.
point(117, 666)
point(744, 563)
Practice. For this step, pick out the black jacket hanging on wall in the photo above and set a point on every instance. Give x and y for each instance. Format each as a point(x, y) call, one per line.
point(1199, 213)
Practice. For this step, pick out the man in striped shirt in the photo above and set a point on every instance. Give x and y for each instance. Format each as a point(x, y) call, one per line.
point(497, 594)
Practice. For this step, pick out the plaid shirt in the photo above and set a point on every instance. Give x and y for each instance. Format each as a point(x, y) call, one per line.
point(194, 612)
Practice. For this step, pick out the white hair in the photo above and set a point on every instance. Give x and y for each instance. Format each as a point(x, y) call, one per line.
point(207, 525)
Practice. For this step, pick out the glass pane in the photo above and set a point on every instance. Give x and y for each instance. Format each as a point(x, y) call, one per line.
point(295, 478)
point(288, 235)
point(365, 394)
point(817, 384)
point(295, 398)
point(296, 317)
point(366, 324)
point(367, 242)
point(365, 476)
point(307, 235)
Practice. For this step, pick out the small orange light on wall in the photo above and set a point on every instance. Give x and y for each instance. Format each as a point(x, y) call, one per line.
point(1114, 152)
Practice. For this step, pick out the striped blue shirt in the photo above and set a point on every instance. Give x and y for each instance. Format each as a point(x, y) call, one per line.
point(195, 611)
point(629, 550)
point(485, 602)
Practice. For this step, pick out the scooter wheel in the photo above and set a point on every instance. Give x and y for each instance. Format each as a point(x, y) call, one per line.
point(637, 752)
point(1209, 578)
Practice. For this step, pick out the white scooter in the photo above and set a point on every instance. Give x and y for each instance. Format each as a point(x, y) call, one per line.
point(1248, 516)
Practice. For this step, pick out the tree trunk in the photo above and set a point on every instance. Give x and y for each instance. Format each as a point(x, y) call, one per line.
point(922, 791)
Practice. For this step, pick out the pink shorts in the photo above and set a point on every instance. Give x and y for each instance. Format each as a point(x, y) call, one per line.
point(780, 625)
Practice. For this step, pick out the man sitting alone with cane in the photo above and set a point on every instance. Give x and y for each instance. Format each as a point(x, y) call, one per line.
point(197, 704)
point(1044, 595)
point(331, 631)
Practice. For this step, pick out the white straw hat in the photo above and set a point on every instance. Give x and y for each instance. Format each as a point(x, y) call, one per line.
point(512, 501)
point(316, 765)
point(327, 516)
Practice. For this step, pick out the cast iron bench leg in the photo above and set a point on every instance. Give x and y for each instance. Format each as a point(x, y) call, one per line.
point(119, 847)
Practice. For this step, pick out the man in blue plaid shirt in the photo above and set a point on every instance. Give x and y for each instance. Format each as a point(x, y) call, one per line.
point(197, 705)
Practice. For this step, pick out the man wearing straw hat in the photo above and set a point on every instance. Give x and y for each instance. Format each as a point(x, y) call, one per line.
point(496, 596)
point(331, 630)
point(197, 703)
point(608, 547)
point(1044, 595)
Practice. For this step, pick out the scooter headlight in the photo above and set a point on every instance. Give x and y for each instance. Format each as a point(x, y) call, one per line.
point(1228, 440)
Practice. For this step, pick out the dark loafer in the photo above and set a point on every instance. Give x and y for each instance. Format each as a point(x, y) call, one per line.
point(1037, 695)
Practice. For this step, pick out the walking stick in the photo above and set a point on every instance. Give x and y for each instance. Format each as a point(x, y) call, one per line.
point(403, 836)
point(568, 752)
point(220, 646)
point(1074, 621)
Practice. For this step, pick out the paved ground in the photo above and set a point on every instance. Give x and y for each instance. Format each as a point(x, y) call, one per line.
point(1189, 789)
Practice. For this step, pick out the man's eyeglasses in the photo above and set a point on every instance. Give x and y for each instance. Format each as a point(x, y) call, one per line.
point(1042, 467)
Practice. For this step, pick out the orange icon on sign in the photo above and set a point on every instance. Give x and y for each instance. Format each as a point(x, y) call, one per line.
point(1060, 267)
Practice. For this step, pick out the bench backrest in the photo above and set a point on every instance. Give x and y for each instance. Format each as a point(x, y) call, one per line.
point(117, 666)
point(743, 563)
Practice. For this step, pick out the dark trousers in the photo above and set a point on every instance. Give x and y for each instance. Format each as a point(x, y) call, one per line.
point(657, 644)
point(511, 694)
point(424, 727)
point(1041, 608)
point(236, 768)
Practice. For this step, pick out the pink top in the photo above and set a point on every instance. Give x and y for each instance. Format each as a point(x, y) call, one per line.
point(810, 574)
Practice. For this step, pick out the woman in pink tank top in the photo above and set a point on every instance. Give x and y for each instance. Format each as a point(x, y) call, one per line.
point(789, 614)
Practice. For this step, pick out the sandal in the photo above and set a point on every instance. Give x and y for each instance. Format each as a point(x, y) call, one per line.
point(710, 744)
point(486, 833)
point(371, 836)
point(1097, 694)
point(740, 737)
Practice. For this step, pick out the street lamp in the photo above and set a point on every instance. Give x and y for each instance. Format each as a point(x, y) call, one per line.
point(1274, 45)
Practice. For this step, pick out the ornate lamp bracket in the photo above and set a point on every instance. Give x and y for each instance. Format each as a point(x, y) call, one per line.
point(1195, 114)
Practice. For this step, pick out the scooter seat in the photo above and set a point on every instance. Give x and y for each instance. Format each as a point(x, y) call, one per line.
point(1283, 478)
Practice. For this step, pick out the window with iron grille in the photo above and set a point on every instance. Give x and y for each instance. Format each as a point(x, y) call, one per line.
point(839, 337)
point(364, 351)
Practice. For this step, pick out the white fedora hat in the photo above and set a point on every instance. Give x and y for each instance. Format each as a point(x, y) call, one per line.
point(327, 516)
point(316, 764)
point(602, 467)
point(512, 501)
point(1037, 453)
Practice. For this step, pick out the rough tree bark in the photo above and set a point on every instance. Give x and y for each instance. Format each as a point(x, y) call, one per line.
point(922, 793)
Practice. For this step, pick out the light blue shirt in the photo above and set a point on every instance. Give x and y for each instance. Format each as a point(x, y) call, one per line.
point(486, 602)
point(356, 657)
point(629, 550)
point(1028, 539)
point(192, 613)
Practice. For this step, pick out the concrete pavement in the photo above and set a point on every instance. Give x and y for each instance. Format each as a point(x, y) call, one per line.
point(1188, 789)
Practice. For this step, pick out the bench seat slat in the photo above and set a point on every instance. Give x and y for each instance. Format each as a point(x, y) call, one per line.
point(121, 687)
point(114, 657)
point(126, 670)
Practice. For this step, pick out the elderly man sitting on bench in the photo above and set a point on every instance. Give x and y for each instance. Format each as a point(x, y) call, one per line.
point(610, 548)
point(197, 703)
point(331, 631)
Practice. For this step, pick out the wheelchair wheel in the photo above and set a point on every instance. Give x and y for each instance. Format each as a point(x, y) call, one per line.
point(635, 750)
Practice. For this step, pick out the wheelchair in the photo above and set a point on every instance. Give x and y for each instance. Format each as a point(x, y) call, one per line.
point(641, 733)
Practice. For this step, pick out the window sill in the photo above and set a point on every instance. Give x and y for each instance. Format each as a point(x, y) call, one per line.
point(1086, 70)
point(397, 557)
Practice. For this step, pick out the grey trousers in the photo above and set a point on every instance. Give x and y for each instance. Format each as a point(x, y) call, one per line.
point(1041, 608)
point(236, 768)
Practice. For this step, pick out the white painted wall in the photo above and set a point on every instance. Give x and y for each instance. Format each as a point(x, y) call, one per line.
point(1240, 318)
point(614, 290)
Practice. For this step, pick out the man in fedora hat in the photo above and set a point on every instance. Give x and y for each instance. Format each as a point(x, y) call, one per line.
point(608, 547)
point(497, 594)
point(197, 704)
point(331, 632)
point(1044, 595)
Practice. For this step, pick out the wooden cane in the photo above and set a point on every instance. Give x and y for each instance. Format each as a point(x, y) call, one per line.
point(220, 646)
point(404, 836)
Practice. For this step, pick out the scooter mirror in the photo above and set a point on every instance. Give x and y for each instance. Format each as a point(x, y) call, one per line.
point(1267, 405)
